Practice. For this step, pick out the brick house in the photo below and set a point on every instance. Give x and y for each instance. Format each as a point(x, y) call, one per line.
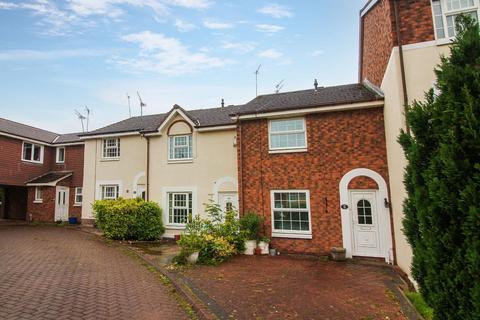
point(313, 163)
point(41, 176)
point(401, 43)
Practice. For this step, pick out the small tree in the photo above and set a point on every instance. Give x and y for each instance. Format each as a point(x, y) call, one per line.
point(442, 211)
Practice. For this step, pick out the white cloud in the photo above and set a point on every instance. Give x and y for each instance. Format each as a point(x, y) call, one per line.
point(270, 54)
point(239, 47)
point(317, 53)
point(184, 26)
point(216, 25)
point(193, 4)
point(15, 55)
point(268, 28)
point(276, 10)
point(165, 55)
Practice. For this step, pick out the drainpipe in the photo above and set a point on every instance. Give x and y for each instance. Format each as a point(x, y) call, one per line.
point(147, 178)
point(402, 61)
point(240, 164)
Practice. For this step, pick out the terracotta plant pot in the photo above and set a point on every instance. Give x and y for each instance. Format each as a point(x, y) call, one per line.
point(258, 251)
point(176, 237)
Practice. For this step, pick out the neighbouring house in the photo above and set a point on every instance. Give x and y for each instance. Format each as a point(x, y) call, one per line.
point(313, 163)
point(181, 160)
point(41, 173)
point(401, 43)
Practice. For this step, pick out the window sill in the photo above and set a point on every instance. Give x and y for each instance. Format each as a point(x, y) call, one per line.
point(77, 205)
point(287, 151)
point(292, 235)
point(60, 162)
point(34, 162)
point(444, 41)
point(180, 161)
point(38, 201)
point(109, 159)
point(175, 226)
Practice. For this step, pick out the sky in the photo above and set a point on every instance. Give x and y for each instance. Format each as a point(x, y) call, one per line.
point(60, 56)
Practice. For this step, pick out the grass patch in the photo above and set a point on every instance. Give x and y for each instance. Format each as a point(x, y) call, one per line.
point(422, 307)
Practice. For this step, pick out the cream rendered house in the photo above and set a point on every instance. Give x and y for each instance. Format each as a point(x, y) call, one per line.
point(401, 44)
point(181, 160)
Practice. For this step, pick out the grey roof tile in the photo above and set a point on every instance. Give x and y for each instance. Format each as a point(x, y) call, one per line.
point(25, 131)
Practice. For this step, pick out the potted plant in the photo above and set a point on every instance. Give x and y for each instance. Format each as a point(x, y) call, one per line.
point(263, 244)
point(338, 254)
point(250, 224)
point(192, 240)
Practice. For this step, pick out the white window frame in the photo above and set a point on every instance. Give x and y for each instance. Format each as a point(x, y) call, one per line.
point(173, 137)
point(33, 148)
point(189, 196)
point(299, 234)
point(38, 195)
point(106, 148)
point(103, 191)
point(287, 149)
point(446, 13)
point(58, 154)
point(78, 192)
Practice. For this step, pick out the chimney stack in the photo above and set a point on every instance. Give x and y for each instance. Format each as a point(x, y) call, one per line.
point(223, 103)
point(315, 84)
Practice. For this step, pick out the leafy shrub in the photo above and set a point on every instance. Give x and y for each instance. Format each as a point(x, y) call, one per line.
point(251, 224)
point(216, 239)
point(129, 219)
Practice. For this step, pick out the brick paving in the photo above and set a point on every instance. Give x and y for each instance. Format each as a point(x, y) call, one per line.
point(60, 273)
point(285, 287)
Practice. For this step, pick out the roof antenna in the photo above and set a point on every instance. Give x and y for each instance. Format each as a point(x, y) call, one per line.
point(256, 80)
point(129, 107)
point(315, 84)
point(88, 115)
point(142, 104)
point(223, 103)
point(81, 117)
point(279, 86)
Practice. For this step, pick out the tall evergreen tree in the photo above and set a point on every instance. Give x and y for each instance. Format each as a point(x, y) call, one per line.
point(442, 179)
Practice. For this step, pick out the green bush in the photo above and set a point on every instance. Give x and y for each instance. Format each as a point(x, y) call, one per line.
point(216, 239)
point(442, 211)
point(129, 219)
point(251, 224)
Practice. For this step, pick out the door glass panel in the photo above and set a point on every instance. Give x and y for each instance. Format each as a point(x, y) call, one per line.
point(364, 212)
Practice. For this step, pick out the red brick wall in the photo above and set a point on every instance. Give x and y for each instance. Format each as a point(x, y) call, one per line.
point(73, 162)
point(42, 212)
point(13, 170)
point(337, 143)
point(378, 31)
point(362, 183)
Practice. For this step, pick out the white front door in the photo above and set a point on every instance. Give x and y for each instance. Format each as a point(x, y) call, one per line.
point(228, 201)
point(364, 215)
point(61, 204)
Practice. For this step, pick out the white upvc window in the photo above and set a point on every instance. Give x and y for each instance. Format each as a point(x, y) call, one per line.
point(110, 191)
point(291, 216)
point(287, 134)
point(60, 154)
point(180, 206)
point(32, 152)
point(38, 195)
point(180, 147)
point(445, 13)
point(79, 196)
point(111, 148)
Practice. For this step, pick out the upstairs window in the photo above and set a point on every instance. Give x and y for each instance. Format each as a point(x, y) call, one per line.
point(111, 148)
point(180, 147)
point(32, 152)
point(287, 134)
point(445, 13)
point(60, 155)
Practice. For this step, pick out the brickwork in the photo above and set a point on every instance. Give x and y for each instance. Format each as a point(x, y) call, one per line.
point(43, 211)
point(378, 32)
point(337, 143)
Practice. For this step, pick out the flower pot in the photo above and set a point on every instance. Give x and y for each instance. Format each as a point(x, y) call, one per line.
point(72, 220)
point(258, 251)
point(176, 237)
point(192, 259)
point(273, 252)
point(250, 246)
point(338, 254)
point(263, 247)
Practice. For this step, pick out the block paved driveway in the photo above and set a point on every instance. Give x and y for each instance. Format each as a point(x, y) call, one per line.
point(60, 273)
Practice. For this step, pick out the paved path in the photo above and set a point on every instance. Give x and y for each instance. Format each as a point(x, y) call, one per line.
point(59, 273)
